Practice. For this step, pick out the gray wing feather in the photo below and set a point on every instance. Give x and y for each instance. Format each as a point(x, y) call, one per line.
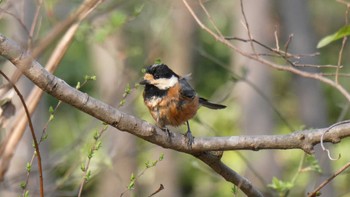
point(186, 89)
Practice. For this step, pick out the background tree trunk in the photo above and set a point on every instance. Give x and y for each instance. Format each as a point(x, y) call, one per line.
point(311, 103)
point(257, 117)
point(109, 65)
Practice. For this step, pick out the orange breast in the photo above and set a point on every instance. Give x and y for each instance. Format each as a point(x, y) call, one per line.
point(172, 109)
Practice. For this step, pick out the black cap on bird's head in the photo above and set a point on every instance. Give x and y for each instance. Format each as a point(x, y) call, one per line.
point(160, 75)
point(160, 71)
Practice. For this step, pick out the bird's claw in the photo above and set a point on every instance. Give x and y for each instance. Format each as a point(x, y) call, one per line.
point(190, 138)
point(168, 133)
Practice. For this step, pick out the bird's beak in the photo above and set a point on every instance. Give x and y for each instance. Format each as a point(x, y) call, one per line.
point(144, 82)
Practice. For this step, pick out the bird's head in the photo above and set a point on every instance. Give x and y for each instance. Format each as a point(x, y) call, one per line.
point(160, 76)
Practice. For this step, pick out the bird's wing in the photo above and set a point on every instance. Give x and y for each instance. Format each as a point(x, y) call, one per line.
point(186, 89)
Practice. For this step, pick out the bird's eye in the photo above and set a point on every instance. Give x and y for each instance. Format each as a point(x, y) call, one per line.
point(156, 76)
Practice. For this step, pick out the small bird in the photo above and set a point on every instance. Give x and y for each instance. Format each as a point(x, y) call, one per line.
point(170, 98)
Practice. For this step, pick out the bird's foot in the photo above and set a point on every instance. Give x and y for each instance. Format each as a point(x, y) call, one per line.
point(190, 138)
point(168, 133)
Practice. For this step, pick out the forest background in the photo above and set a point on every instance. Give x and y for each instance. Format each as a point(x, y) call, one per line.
point(106, 47)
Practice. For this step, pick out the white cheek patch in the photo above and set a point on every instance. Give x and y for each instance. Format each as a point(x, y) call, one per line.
point(164, 83)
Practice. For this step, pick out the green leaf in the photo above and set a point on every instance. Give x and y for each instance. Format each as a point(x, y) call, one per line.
point(138, 9)
point(118, 18)
point(313, 163)
point(96, 135)
point(341, 33)
point(131, 185)
point(161, 157)
point(88, 176)
point(82, 167)
point(122, 102)
point(132, 177)
point(26, 194)
point(234, 190)
point(91, 153)
point(23, 185)
point(51, 110)
point(45, 136)
point(51, 117)
point(87, 77)
point(158, 61)
point(98, 145)
point(28, 167)
point(280, 185)
point(147, 164)
point(127, 89)
point(78, 85)
point(132, 182)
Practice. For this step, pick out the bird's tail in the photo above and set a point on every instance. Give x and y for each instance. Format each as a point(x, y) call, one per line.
point(210, 105)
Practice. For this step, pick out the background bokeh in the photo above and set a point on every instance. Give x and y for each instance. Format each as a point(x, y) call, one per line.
point(120, 38)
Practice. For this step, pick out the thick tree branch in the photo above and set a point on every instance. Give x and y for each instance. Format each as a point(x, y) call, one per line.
point(304, 140)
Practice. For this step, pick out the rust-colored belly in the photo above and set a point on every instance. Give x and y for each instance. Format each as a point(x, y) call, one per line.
point(172, 109)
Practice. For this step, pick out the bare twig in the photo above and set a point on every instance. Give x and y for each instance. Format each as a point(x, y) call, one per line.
point(340, 55)
point(161, 187)
point(20, 22)
point(210, 18)
point(34, 24)
point(36, 146)
point(333, 74)
point(286, 46)
point(328, 180)
point(248, 29)
point(276, 40)
point(317, 66)
point(327, 130)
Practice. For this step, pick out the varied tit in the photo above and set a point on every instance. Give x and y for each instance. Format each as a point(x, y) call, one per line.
point(170, 98)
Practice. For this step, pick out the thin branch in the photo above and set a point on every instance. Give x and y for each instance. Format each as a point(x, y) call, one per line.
point(340, 56)
point(20, 22)
point(210, 18)
point(36, 146)
point(327, 130)
point(318, 66)
point(161, 187)
point(34, 24)
point(248, 29)
point(276, 40)
point(328, 180)
point(286, 46)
